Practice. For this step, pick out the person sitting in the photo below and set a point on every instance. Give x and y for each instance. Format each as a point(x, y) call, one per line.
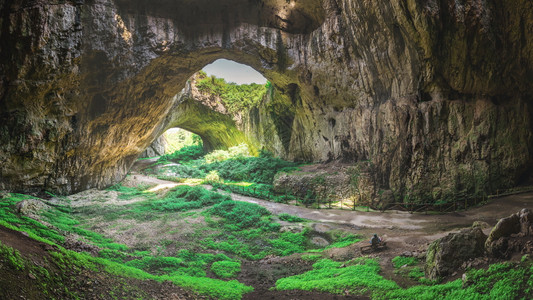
point(374, 241)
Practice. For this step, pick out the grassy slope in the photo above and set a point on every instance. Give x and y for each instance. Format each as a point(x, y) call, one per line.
point(234, 230)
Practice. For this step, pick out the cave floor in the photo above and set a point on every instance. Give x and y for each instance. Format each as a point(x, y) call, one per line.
point(404, 232)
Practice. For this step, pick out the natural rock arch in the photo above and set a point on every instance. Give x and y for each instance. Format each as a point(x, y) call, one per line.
point(206, 116)
point(416, 88)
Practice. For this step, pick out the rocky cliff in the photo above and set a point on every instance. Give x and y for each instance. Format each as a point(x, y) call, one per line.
point(435, 94)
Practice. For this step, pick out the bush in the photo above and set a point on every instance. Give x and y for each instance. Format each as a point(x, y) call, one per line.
point(226, 269)
point(240, 151)
point(185, 154)
point(242, 214)
point(290, 218)
point(260, 169)
point(184, 171)
point(213, 177)
point(185, 198)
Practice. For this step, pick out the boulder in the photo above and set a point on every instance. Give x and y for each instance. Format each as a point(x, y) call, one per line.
point(31, 208)
point(519, 224)
point(444, 256)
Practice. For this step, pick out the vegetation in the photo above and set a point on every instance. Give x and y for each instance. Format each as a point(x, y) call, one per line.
point(256, 169)
point(221, 233)
point(234, 97)
point(185, 154)
point(226, 269)
point(290, 218)
point(328, 276)
point(178, 138)
point(236, 230)
point(361, 277)
point(400, 261)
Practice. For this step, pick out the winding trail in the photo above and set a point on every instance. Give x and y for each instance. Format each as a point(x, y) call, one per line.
point(388, 220)
point(490, 213)
point(403, 230)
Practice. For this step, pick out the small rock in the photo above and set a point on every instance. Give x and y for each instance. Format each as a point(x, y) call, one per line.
point(480, 224)
point(407, 254)
point(32, 276)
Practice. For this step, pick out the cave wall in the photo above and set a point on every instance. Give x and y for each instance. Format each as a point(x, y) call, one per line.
point(436, 94)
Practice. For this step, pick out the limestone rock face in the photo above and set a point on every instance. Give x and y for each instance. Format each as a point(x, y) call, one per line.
point(502, 239)
point(446, 255)
point(157, 148)
point(436, 94)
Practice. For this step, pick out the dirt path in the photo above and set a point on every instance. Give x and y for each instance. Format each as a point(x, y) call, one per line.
point(403, 231)
point(429, 224)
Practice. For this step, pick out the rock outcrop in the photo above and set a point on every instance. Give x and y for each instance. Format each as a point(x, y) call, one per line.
point(444, 256)
point(459, 251)
point(436, 94)
point(157, 148)
point(511, 234)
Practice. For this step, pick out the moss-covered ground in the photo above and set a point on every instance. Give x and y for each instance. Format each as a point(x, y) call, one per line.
point(199, 240)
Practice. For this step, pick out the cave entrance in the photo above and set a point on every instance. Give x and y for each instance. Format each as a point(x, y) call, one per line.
point(178, 138)
point(214, 103)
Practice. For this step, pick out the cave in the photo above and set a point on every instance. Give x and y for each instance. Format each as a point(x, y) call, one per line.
point(423, 90)
point(422, 108)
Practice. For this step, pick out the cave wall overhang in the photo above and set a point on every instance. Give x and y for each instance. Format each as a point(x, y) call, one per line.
point(431, 92)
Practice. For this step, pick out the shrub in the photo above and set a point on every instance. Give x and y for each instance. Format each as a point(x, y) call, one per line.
point(185, 154)
point(290, 218)
point(184, 198)
point(184, 171)
point(226, 269)
point(213, 177)
point(242, 214)
point(260, 169)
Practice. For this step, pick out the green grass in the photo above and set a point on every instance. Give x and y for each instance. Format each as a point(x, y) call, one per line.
point(187, 269)
point(361, 277)
point(243, 230)
point(215, 288)
point(289, 243)
point(328, 276)
point(290, 218)
point(11, 256)
point(400, 261)
point(184, 154)
point(226, 269)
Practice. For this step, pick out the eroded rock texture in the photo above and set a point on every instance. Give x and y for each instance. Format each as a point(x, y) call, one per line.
point(436, 94)
point(447, 254)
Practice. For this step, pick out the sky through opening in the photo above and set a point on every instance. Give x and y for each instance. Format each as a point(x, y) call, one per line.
point(234, 72)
